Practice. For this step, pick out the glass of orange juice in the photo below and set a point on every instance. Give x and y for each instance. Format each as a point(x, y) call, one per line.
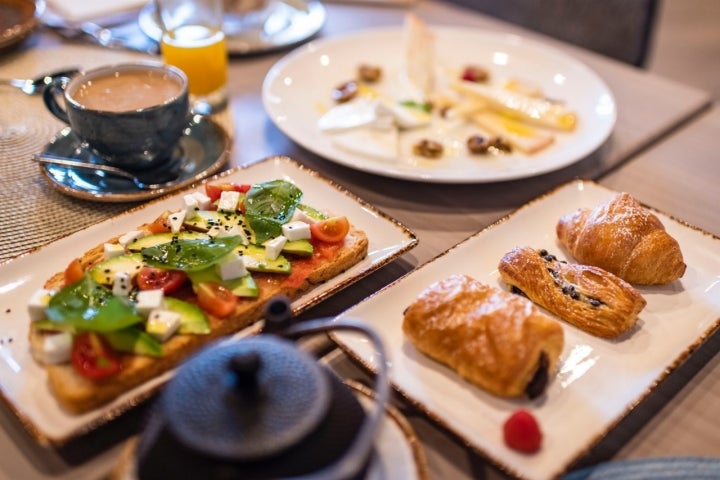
point(193, 40)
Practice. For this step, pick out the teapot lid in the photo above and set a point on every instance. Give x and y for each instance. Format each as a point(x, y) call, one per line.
point(246, 400)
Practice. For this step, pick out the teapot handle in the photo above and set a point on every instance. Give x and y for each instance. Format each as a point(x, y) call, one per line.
point(277, 320)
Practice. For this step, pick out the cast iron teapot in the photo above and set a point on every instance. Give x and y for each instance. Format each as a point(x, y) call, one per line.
point(261, 408)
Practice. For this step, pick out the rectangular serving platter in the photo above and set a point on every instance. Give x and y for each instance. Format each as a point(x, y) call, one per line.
point(598, 381)
point(23, 383)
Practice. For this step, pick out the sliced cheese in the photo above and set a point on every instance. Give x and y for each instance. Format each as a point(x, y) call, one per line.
point(538, 111)
point(520, 135)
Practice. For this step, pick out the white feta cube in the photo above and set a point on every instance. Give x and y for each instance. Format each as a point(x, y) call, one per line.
point(228, 201)
point(300, 216)
point(231, 266)
point(220, 231)
point(38, 302)
point(148, 300)
point(296, 231)
point(162, 324)
point(176, 220)
point(190, 205)
point(274, 246)
point(131, 236)
point(122, 284)
point(111, 250)
point(55, 348)
point(203, 200)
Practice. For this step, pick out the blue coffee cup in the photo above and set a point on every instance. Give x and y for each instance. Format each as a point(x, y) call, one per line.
point(130, 114)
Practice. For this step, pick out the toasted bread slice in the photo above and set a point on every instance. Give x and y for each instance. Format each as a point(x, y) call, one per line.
point(78, 394)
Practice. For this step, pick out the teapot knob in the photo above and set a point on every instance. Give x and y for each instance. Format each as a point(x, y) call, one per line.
point(244, 368)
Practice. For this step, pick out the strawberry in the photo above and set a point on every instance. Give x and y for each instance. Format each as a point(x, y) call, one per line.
point(522, 432)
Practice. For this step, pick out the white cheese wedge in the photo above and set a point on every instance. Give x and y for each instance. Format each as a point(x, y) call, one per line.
point(228, 201)
point(149, 300)
point(162, 324)
point(405, 117)
point(296, 231)
point(274, 246)
point(55, 348)
point(534, 110)
point(38, 302)
point(377, 144)
point(176, 220)
point(519, 135)
point(300, 216)
point(358, 112)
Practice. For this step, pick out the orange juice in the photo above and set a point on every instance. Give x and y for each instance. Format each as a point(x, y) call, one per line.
point(201, 53)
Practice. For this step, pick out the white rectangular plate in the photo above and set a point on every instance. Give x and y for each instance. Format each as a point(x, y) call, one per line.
point(24, 383)
point(599, 381)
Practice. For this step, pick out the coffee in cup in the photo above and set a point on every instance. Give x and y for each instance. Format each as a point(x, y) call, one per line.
point(132, 114)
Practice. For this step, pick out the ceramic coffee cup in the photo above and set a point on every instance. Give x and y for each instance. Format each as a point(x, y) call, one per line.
point(131, 114)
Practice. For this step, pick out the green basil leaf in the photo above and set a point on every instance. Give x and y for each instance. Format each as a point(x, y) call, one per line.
point(189, 255)
point(269, 205)
point(88, 305)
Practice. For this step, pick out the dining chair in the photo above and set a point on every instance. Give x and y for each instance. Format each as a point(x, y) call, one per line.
point(621, 29)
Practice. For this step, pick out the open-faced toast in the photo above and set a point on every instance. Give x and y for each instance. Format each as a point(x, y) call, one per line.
point(317, 261)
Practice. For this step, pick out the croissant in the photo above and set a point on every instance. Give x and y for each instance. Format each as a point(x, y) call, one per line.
point(588, 297)
point(496, 340)
point(624, 238)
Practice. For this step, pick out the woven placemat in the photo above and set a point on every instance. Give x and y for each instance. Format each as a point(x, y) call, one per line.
point(32, 212)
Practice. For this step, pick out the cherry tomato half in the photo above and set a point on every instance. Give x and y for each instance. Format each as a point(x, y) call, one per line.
point(214, 191)
point(151, 278)
point(332, 230)
point(74, 272)
point(161, 224)
point(216, 299)
point(93, 358)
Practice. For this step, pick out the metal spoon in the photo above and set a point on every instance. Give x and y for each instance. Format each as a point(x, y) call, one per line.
point(35, 85)
point(137, 179)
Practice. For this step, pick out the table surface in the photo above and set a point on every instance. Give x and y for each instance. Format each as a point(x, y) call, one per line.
point(660, 151)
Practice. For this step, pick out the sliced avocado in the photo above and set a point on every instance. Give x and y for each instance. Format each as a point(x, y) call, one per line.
point(255, 260)
point(312, 212)
point(242, 287)
point(160, 238)
point(134, 340)
point(52, 326)
point(104, 272)
point(206, 219)
point(301, 248)
point(192, 318)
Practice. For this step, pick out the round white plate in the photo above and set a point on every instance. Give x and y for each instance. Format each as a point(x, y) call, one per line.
point(297, 90)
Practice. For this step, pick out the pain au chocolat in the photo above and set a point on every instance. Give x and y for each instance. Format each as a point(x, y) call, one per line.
point(588, 297)
point(496, 340)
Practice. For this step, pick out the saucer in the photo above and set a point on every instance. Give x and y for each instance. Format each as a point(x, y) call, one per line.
point(288, 24)
point(18, 20)
point(202, 150)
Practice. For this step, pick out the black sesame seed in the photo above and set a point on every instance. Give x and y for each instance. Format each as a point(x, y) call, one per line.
point(594, 302)
point(543, 252)
point(575, 295)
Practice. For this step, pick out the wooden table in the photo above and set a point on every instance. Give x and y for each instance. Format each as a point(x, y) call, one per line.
point(656, 125)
